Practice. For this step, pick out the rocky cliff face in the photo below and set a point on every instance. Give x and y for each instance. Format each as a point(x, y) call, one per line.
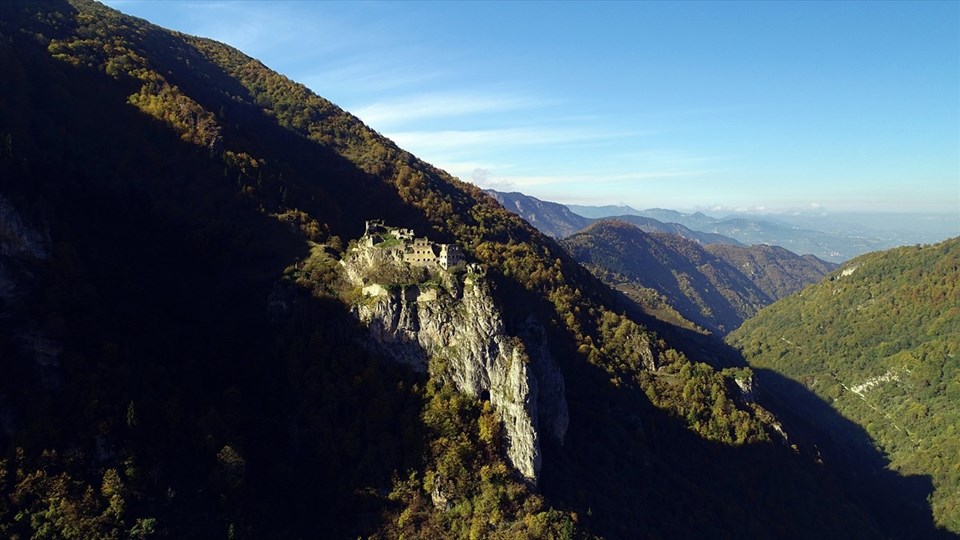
point(459, 335)
point(20, 245)
point(24, 248)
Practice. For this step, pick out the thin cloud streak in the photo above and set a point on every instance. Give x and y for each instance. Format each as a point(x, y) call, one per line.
point(459, 93)
point(521, 181)
point(341, 82)
point(486, 138)
point(249, 27)
point(466, 169)
point(440, 105)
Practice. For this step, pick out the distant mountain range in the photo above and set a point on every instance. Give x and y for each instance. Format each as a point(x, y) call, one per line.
point(686, 277)
point(717, 286)
point(552, 219)
point(195, 346)
point(558, 221)
point(831, 239)
point(827, 246)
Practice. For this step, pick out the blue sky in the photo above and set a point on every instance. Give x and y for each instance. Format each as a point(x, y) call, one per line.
point(849, 106)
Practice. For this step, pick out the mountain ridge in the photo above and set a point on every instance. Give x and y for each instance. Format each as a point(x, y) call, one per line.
point(715, 286)
point(556, 220)
point(835, 246)
point(182, 362)
point(552, 219)
point(835, 237)
point(878, 341)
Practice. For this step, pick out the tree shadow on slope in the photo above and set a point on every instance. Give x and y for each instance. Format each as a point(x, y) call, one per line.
point(704, 288)
point(270, 430)
point(158, 289)
point(900, 502)
point(631, 469)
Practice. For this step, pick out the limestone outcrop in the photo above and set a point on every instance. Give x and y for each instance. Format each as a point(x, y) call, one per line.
point(451, 327)
point(25, 248)
point(20, 245)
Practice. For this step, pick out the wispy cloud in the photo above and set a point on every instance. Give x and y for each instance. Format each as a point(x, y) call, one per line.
point(668, 157)
point(348, 83)
point(439, 105)
point(491, 180)
point(524, 136)
point(250, 27)
point(468, 169)
point(652, 175)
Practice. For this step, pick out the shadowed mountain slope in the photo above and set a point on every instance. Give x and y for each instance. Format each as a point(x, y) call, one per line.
point(716, 287)
point(182, 356)
point(879, 341)
point(650, 225)
point(776, 271)
point(552, 219)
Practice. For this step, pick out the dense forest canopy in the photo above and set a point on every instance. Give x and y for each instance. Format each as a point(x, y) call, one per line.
point(715, 286)
point(880, 342)
point(180, 360)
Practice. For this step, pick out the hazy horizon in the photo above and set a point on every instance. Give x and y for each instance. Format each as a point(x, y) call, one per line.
point(932, 226)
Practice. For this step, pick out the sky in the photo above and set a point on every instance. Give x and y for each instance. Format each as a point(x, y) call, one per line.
point(759, 106)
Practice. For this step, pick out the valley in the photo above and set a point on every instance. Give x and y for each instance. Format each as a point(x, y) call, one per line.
point(229, 308)
point(878, 341)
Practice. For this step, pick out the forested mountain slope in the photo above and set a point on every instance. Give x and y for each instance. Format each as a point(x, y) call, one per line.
point(835, 244)
point(651, 225)
point(778, 272)
point(716, 286)
point(183, 356)
point(880, 342)
point(550, 218)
